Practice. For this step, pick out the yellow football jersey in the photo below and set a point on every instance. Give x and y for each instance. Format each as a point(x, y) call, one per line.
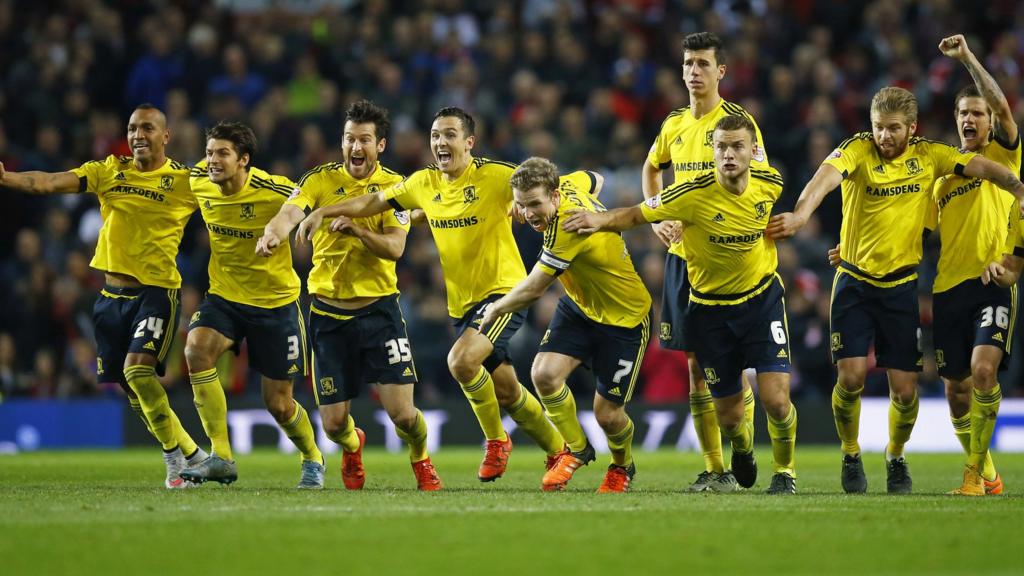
point(975, 217)
point(144, 216)
point(684, 144)
point(235, 224)
point(470, 221)
point(343, 268)
point(886, 203)
point(595, 269)
point(729, 255)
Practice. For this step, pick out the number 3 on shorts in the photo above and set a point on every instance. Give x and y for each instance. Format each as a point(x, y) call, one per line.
point(778, 332)
point(293, 347)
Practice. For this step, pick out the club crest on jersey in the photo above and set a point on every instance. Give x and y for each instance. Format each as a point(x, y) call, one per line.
point(709, 137)
point(327, 386)
point(248, 212)
point(761, 209)
point(913, 166)
point(373, 188)
point(469, 195)
point(166, 183)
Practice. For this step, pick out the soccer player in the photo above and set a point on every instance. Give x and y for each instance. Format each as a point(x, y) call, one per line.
point(973, 320)
point(251, 298)
point(604, 320)
point(736, 296)
point(145, 201)
point(887, 176)
point(357, 331)
point(466, 202)
point(684, 143)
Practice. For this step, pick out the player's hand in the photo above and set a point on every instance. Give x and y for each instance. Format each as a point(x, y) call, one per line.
point(417, 217)
point(668, 231)
point(955, 47)
point(490, 315)
point(783, 225)
point(581, 222)
point(308, 227)
point(992, 272)
point(833, 257)
point(517, 214)
point(345, 225)
point(267, 243)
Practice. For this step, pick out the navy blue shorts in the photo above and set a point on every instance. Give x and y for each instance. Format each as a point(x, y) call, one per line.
point(752, 334)
point(972, 314)
point(675, 300)
point(612, 352)
point(276, 336)
point(133, 320)
point(862, 313)
point(351, 348)
point(498, 333)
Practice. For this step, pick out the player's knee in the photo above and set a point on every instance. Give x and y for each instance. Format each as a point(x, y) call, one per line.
point(609, 416)
point(958, 394)
point(545, 380)
point(729, 418)
point(199, 357)
point(280, 407)
point(852, 377)
point(507, 393)
point(697, 383)
point(333, 421)
point(983, 374)
point(461, 368)
point(776, 407)
point(403, 417)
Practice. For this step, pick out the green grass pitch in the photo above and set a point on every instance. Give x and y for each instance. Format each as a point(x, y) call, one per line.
point(107, 513)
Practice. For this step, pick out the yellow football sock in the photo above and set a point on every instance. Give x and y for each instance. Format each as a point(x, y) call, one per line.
point(153, 399)
point(705, 423)
point(480, 393)
point(783, 435)
point(748, 406)
point(136, 407)
point(846, 412)
point(185, 442)
point(901, 423)
point(529, 415)
point(621, 444)
point(962, 429)
point(212, 405)
point(300, 432)
point(347, 437)
point(415, 437)
point(561, 410)
point(984, 409)
point(740, 436)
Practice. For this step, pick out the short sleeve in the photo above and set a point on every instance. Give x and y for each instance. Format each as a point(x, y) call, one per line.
point(947, 159)
point(397, 219)
point(560, 249)
point(670, 204)
point(845, 157)
point(92, 176)
point(402, 196)
point(660, 155)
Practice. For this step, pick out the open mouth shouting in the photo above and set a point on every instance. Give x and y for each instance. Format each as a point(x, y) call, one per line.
point(444, 157)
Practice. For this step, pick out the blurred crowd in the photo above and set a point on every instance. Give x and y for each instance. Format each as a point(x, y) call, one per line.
point(583, 82)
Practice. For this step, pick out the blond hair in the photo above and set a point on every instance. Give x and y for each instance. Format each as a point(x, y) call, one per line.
point(535, 172)
point(893, 99)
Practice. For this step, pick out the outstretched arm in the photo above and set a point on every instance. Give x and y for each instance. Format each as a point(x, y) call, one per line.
point(1005, 273)
point(365, 205)
point(388, 244)
point(276, 231)
point(825, 180)
point(617, 220)
point(667, 231)
point(521, 296)
point(1004, 126)
point(981, 167)
point(35, 182)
